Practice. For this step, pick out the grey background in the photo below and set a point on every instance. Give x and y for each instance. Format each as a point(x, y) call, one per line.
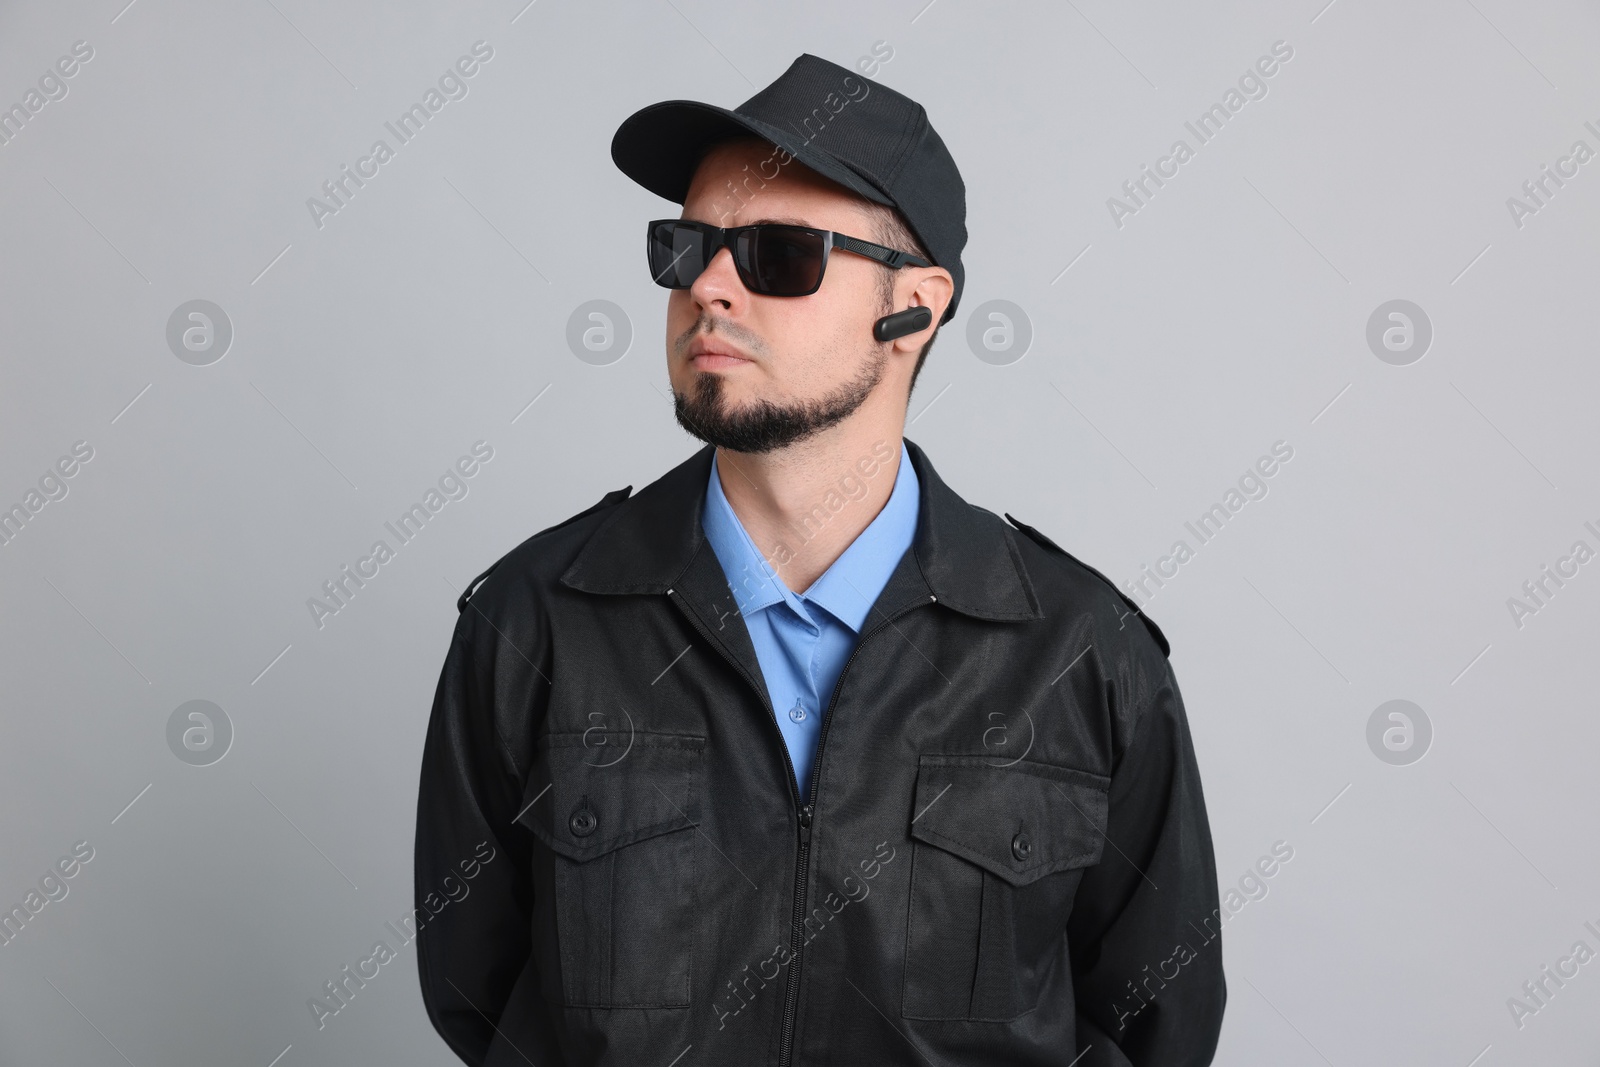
point(367, 355)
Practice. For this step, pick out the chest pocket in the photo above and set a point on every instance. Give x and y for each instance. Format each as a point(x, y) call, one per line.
point(997, 856)
point(618, 823)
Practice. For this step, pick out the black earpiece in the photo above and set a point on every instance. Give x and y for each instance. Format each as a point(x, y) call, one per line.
point(901, 323)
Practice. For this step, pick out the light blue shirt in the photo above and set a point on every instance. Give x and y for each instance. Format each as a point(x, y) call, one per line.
point(803, 640)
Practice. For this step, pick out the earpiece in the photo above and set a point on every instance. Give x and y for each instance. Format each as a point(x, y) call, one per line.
point(901, 323)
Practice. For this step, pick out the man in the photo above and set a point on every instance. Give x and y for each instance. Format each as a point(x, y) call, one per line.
point(795, 757)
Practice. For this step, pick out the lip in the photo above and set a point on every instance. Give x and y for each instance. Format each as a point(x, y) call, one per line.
point(714, 355)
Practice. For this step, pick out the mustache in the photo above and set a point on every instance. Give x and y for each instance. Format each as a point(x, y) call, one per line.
point(746, 338)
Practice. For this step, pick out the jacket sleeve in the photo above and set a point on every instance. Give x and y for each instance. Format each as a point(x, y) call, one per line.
point(1145, 930)
point(473, 888)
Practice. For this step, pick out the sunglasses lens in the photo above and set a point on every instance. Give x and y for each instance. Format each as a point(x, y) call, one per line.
point(781, 260)
point(677, 254)
point(772, 260)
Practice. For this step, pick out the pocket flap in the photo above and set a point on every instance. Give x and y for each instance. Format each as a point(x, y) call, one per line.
point(590, 793)
point(1020, 821)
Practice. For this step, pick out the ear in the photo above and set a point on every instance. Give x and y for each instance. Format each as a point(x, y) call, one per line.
point(929, 287)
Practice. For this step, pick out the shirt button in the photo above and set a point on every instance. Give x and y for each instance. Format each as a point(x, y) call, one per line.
point(1021, 847)
point(583, 822)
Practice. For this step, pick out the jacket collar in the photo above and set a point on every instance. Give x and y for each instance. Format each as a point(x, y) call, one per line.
point(963, 555)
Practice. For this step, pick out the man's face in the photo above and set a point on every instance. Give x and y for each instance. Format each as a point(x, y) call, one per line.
point(753, 373)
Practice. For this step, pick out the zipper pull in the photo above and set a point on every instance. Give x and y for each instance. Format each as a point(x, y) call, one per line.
point(805, 825)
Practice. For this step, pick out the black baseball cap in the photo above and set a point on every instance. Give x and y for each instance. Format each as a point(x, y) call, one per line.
point(865, 136)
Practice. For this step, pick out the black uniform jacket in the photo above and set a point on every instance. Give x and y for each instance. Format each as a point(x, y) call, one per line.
point(1006, 859)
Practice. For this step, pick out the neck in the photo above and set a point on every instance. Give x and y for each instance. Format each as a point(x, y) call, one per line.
point(803, 505)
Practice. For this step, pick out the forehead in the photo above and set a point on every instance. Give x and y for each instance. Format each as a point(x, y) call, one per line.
point(745, 181)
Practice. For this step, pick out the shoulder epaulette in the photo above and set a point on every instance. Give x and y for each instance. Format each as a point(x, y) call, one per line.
point(1155, 631)
point(616, 496)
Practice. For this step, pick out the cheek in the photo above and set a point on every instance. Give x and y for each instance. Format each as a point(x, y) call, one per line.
point(806, 338)
point(854, 305)
point(844, 333)
point(847, 297)
point(853, 281)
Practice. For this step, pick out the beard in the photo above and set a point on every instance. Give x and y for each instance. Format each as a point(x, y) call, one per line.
point(765, 426)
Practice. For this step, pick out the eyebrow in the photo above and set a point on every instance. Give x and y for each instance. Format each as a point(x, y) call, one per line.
point(782, 221)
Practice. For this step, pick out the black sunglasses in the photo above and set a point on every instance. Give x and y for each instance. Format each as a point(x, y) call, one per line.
point(772, 259)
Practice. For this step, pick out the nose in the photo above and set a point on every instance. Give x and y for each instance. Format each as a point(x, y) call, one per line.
point(719, 284)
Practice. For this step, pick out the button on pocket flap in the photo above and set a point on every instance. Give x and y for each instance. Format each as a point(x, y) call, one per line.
point(586, 798)
point(1020, 821)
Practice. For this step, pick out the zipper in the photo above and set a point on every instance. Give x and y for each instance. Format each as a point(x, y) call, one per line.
point(803, 812)
point(791, 989)
point(792, 1001)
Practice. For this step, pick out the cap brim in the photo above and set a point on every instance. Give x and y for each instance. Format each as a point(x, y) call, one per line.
point(661, 146)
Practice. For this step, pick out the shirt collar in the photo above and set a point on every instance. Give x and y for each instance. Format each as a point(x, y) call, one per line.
point(650, 541)
point(850, 585)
